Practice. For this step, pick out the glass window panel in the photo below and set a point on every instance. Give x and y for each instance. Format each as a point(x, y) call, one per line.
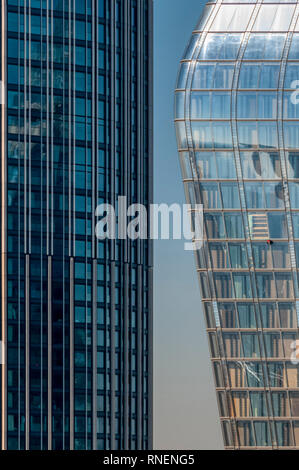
point(232, 18)
point(230, 195)
point(294, 195)
point(247, 133)
point(238, 255)
point(290, 109)
point(288, 315)
point(269, 315)
point(267, 105)
point(295, 217)
point(255, 374)
point(234, 225)
point(246, 105)
point(214, 225)
point(264, 46)
point(292, 374)
point(219, 46)
point(276, 374)
point(211, 47)
point(262, 434)
point(224, 76)
point(210, 195)
point(277, 225)
point(202, 136)
point(262, 255)
point(249, 75)
point(254, 195)
point(272, 18)
point(192, 46)
point(294, 49)
point(180, 105)
point(267, 134)
point(204, 18)
point(273, 345)
point(245, 434)
point(274, 195)
point(228, 316)
point(284, 434)
point(203, 76)
point(232, 345)
point(265, 285)
point(206, 166)
point(269, 76)
point(292, 73)
point(223, 285)
point(222, 134)
point(246, 314)
point(294, 398)
point(285, 287)
point(237, 374)
point(219, 255)
point(250, 343)
point(274, 45)
point(292, 159)
point(291, 135)
point(200, 105)
point(265, 18)
point(242, 285)
point(258, 404)
point(204, 285)
point(186, 165)
point(181, 135)
point(221, 105)
point(265, 165)
point(226, 165)
point(183, 75)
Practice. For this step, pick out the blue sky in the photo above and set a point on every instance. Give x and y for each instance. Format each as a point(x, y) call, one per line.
point(186, 415)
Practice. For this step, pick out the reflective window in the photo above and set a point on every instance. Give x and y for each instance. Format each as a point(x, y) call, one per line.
point(294, 49)
point(265, 165)
point(272, 18)
point(293, 164)
point(291, 135)
point(232, 18)
point(265, 46)
point(234, 225)
point(203, 76)
point(226, 167)
point(219, 46)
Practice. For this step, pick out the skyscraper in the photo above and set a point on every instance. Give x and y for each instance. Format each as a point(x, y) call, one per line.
point(76, 312)
point(238, 138)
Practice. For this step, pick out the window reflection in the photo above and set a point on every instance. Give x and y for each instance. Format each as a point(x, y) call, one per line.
point(265, 46)
point(265, 165)
point(220, 46)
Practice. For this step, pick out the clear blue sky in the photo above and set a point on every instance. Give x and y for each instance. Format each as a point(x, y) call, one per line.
point(186, 415)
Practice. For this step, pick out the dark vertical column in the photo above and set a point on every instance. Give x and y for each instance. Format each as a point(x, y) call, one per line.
point(49, 353)
point(4, 227)
point(112, 201)
point(150, 243)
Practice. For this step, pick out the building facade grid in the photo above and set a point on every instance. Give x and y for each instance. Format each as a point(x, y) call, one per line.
point(238, 139)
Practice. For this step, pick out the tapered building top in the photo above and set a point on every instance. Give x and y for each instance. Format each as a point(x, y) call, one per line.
point(237, 128)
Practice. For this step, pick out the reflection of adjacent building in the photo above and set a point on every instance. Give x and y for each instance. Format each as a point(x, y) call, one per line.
point(238, 139)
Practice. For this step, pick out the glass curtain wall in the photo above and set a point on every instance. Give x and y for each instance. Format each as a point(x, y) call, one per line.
point(77, 314)
point(236, 118)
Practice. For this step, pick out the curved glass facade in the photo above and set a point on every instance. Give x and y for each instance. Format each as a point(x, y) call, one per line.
point(238, 137)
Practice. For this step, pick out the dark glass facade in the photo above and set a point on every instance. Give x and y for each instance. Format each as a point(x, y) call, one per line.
point(76, 312)
point(238, 136)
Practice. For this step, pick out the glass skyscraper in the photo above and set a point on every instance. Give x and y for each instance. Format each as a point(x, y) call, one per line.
point(76, 312)
point(237, 121)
